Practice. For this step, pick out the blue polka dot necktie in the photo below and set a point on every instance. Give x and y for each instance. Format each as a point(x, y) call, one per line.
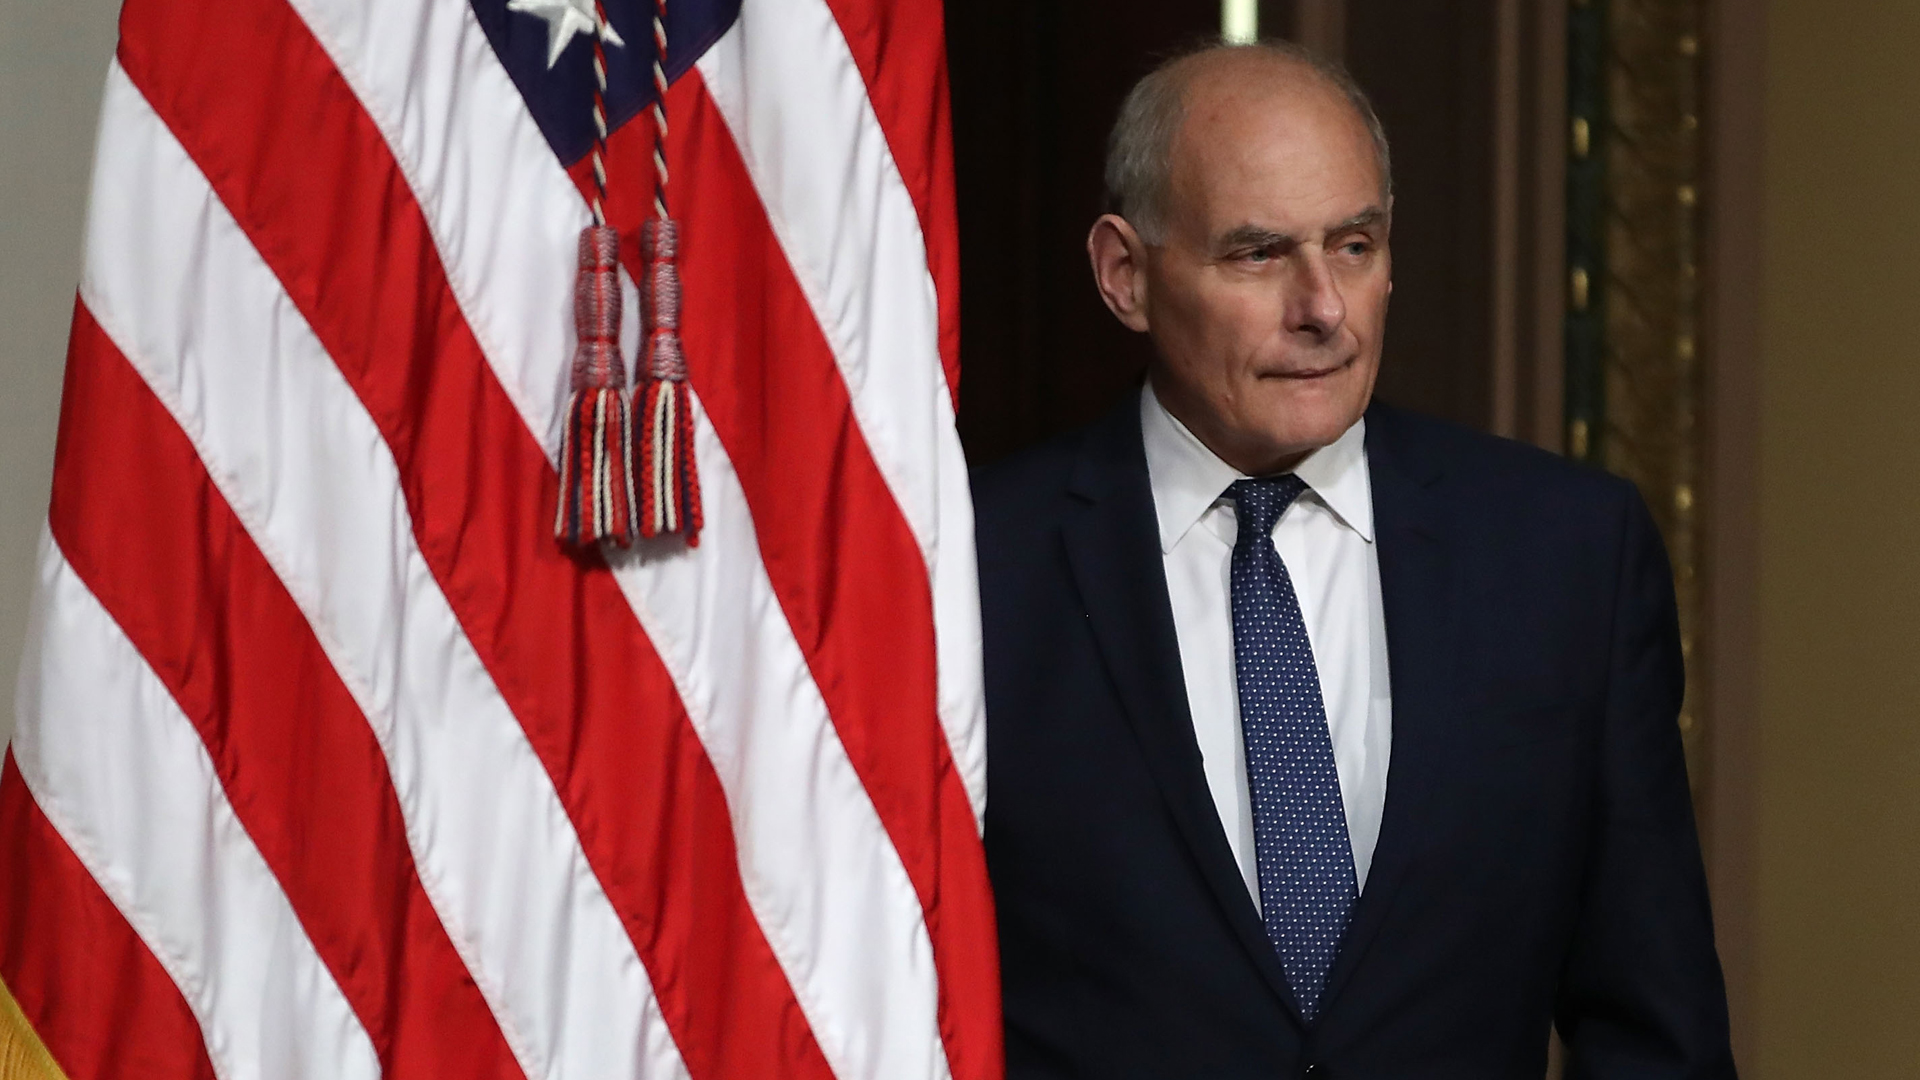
point(1307, 882)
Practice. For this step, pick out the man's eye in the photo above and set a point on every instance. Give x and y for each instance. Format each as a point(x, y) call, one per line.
point(1356, 247)
point(1258, 255)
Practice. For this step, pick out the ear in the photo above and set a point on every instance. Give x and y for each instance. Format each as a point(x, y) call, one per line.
point(1119, 259)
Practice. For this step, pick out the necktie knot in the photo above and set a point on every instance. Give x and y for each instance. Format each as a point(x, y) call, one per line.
point(1260, 500)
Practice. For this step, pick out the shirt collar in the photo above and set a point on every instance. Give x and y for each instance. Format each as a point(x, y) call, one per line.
point(1188, 479)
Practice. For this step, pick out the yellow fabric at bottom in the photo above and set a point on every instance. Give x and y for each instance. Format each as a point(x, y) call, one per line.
point(22, 1055)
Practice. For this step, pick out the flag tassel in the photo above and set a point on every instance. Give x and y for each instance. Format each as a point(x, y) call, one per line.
point(669, 479)
point(596, 442)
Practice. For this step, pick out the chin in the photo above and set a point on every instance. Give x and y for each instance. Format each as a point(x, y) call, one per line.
point(1307, 422)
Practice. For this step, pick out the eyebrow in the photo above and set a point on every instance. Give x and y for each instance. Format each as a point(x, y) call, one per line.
point(1256, 236)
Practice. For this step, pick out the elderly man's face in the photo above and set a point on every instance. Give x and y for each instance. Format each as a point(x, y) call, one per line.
point(1267, 297)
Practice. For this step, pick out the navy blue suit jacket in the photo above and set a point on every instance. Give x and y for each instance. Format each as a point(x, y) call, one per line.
point(1537, 860)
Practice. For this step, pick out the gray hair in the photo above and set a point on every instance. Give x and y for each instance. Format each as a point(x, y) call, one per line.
point(1140, 149)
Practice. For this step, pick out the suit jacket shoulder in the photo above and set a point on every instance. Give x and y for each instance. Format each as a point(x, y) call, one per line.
point(1486, 471)
point(1017, 491)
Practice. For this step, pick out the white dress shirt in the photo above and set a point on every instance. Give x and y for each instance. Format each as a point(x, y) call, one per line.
point(1326, 541)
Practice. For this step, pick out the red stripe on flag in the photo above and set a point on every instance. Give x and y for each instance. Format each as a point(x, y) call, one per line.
point(900, 47)
point(845, 566)
point(556, 634)
point(162, 551)
point(100, 1003)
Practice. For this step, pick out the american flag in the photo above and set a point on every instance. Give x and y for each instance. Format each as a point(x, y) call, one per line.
point(331, 762)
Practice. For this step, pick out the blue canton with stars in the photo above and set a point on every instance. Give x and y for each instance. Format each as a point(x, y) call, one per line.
point(1305, 861)
point(560, 95)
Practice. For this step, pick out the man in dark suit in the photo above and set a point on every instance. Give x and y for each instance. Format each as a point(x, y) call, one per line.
point(1323, 739)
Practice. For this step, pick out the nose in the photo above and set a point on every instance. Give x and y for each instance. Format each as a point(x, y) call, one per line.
point(1314, 306)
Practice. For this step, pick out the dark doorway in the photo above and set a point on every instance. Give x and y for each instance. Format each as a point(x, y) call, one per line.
point(1035, 87)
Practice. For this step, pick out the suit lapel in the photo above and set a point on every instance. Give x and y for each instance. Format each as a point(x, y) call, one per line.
point(1113, 548)
point(1417, 593)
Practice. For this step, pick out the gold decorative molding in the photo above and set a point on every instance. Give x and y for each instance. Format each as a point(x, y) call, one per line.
point(1639, 415)
point(1652, 383)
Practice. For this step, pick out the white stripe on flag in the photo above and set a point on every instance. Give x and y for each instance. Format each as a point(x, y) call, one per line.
point(505, 218)
point(122, 775)
point(956, 619)
point(490, 186)
point(786, 82)
point(292, 449)
point(827, 888)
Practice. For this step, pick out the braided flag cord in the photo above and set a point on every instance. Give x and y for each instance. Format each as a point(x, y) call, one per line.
point(596, 443)
point(663, 407)
point(599, 151)
point(331, 762)
point(660, 108)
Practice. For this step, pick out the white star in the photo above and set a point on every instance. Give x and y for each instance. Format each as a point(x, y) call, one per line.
point(565, 18)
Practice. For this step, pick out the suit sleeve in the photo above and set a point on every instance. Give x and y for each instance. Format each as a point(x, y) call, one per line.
point(1642, 995)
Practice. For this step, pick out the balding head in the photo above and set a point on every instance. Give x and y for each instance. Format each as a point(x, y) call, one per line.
point(1142, 147)
point(1252, 247)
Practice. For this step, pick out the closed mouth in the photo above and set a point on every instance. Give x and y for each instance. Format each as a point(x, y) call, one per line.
point(1310, 373)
